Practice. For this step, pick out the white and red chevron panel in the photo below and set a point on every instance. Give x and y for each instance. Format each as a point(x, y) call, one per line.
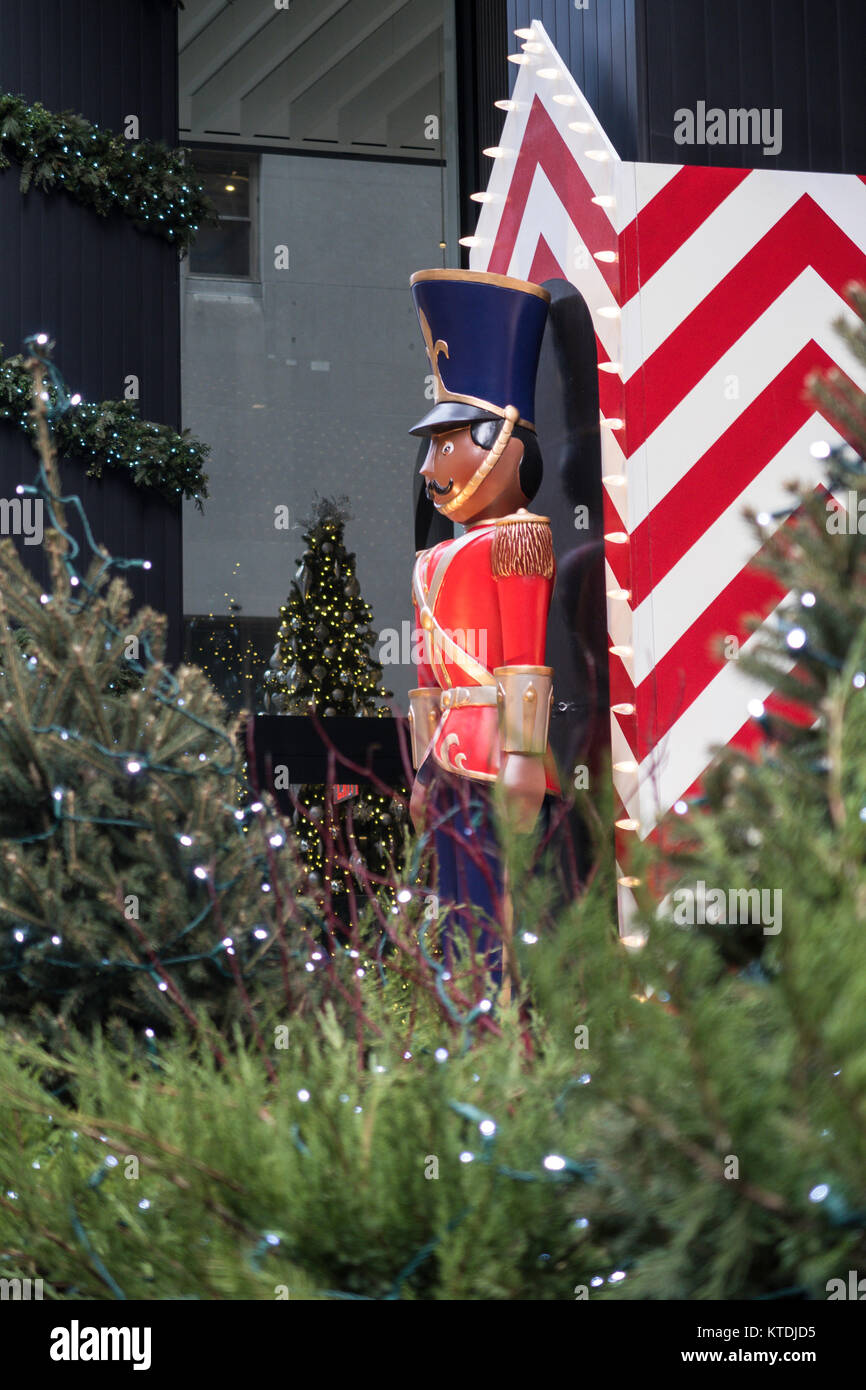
point(713, 293)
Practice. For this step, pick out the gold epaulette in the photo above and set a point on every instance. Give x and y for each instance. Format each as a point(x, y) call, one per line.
point(522, 544)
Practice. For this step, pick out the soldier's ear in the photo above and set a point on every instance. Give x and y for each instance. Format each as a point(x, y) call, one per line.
point(530, 469)
point(484, 432)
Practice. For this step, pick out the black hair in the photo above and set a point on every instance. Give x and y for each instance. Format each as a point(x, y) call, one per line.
point(531, 470)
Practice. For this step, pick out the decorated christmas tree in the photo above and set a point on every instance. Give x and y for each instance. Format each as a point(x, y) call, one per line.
point(323, 666)
point(133, 887)
point(323, 661)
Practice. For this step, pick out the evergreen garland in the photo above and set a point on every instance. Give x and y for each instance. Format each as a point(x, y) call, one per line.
point(143, 179)
point(111, 435)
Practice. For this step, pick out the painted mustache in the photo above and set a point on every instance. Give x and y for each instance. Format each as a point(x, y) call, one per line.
point(438, 488)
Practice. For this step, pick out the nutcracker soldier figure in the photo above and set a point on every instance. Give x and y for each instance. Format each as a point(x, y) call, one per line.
point(480, 713)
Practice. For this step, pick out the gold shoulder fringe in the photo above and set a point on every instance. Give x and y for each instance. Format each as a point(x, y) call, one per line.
point(522, 544)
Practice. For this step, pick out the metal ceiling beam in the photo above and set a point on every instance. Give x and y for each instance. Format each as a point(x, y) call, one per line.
point(403, 80)
point(390, 44)
point(267, 109)
point(217, 103)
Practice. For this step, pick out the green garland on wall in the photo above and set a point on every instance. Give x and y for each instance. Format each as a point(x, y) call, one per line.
point(143, 179)
point(111, 435)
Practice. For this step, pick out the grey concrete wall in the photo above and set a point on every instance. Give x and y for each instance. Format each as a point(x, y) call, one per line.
point(308, 381)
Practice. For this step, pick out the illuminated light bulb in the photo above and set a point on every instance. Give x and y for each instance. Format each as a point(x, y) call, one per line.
point(613, 422)
point(506, 105)
point(621, 650)
point(519, 58)
point(634, 941)
point(608, 311)
point(483, 198)
point(185, 839)
point(404, 896)
point(260, 934)
point(681, 808)
point(623, 708)
point(614, 479)
point(474, 240)
point(497, 152)
point(582, 127)
point(200, 873)
point(554, 1163)
point(610, 367)
point(42, 339)
point(627, 765)
point(566, 99)
point(466, 1156)
point(627, 823)
point(441, 1054)
point(133, 766)
point(616, 537)
point(820, 449)
point(530, 938)
point(485, 1006)
point(276, 840)
point(549, 74)
point(607, 256)
point(303, 1095)
point(162, 986)
point(75, 400)
point(619, 593)
point(629, 881)
point(598, 155)
point(524, 33)
point(796, 639)
point(487, 1128)
point(756, 709)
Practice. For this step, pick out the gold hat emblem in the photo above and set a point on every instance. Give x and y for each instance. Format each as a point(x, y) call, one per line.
point(433, 351)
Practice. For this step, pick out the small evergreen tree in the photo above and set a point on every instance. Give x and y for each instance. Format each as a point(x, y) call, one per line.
point(131, 884)
point(323, 665)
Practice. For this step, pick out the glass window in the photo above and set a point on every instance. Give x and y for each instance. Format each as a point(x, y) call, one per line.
point(229, 179)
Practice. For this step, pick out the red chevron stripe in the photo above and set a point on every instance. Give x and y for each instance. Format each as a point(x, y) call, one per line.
point(543, 146)
point(684, 672)
point(804, 236)
point(718, 478)
point(669, 219)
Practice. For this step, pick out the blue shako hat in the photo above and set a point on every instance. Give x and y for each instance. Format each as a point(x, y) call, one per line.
point(483, 336)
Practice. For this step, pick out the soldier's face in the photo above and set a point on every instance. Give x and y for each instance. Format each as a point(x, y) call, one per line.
point(453, 458)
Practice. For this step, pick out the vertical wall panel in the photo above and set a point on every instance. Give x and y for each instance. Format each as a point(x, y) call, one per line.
point(639, 61)
point(106, 292)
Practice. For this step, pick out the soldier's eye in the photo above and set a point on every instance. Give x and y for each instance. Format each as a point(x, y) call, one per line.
point(448, 448)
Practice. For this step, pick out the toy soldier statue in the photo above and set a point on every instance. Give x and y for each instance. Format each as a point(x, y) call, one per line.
point(480, 714)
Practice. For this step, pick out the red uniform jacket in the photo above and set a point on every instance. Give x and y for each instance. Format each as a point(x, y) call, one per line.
point(481, 601)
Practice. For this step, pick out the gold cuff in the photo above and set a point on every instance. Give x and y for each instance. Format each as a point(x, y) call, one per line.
point(525, 697)
point(423, 718)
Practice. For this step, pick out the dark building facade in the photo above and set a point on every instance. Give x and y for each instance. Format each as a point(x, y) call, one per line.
point(640, 61)
point(105, 292)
